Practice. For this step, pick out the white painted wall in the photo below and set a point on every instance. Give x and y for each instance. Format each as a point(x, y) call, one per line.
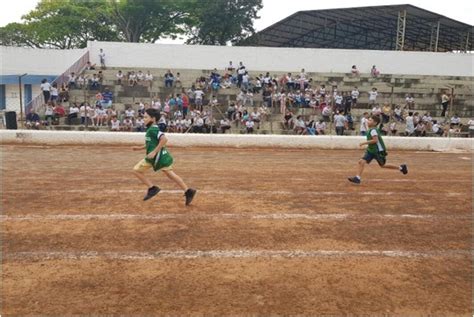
point(34, 61)
point(12, 96)
point(229, 140)
point(281, 59)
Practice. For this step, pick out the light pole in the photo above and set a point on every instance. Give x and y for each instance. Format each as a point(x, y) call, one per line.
point(21, 99)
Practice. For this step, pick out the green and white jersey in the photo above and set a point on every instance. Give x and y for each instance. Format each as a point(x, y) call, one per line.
point(152, 138)
point(376, 147)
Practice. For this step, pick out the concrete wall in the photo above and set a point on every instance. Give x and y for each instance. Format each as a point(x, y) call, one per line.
point(20, 60)
point(220, 140)
point(281, 59)
point(12, 96)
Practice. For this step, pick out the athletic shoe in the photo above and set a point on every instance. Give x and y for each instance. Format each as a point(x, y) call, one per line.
point(189, 194)
point(354, 180)
point(152, 191)
point(404, 169)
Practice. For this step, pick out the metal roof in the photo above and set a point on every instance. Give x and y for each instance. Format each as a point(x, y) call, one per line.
point(375, 28)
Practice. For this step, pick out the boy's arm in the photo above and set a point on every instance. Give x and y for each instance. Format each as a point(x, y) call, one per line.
point(374, 140)
point(161, 144)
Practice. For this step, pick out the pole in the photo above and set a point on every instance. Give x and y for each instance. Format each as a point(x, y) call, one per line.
point(21, 99)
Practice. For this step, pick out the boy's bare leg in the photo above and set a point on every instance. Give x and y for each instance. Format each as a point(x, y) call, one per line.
point(143, 178)
point(174, 177)
point(362, 164)
point(391, 166)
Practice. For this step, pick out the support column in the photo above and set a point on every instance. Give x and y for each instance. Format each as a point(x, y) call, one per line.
point(434, 37)
point(400, 43)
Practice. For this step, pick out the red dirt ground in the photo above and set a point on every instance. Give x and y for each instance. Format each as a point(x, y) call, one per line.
point(270, 232)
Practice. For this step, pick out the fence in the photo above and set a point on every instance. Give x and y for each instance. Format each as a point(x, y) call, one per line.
point(77, 67)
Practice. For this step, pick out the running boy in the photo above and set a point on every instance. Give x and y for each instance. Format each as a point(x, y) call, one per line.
point(157, 157)
point(375, 150)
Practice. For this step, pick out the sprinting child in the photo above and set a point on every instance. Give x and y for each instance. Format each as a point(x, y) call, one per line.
point(375, 150)
point(157, 158)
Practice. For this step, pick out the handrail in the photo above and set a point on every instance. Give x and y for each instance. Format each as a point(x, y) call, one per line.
point(77, 67)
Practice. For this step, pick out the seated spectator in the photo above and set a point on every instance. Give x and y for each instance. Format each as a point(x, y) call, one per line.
point(393, 128)
point(355, 72)
point(397, 113)
point(255, 117)
point(386, 112)
point(114, 124)
point(100, 75)
point(420, 129)
point(249, 126)
point(84, 111)
point(300, 125)
point(132, 79)
point(33, 120)
point(48, 113)
point(198, 125)
point(374, 72)
point(63, 93)
point(81, 81)
point(127, 124)
point(321, 127)
point(140, 76)
point(73, 111)
point(288, 119)
point(149, 78)
point(455, 121)
point(90, 66)
point(471, 128)
point(107, 97)
point(140, 124)
point(58, 112)
point(163, 122)
point(119, 76)
point(225, 125)
point(409, 102)
point(94, 82)
point(177, 80)
point(169, 79)
point(437, 128)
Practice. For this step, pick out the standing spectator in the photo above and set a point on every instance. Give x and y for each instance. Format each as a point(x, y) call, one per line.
point(338, 101)
point(397, 113)
point(410, 125)
point(355, 95)
point(46, 89)
point(347, 103)
point(71, 82)
point(326, 113)
point(54, 93)
point(102, 58)
point(373, 96)
point(444, 103)
point(471, 127)
point(364, 124)
point(198, 94)
point(374, 72)
point(340, 122)
point(240, 73)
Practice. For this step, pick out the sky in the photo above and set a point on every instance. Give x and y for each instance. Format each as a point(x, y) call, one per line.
point(276, 10)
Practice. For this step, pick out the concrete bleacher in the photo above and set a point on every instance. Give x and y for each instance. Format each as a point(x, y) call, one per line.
point(426, 90)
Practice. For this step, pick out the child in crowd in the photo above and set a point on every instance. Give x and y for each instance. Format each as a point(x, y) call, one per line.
point(157, 158)
point(375, 150)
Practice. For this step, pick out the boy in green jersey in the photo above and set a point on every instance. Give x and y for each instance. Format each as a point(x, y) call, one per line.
point(157, 158)
point(375, 150)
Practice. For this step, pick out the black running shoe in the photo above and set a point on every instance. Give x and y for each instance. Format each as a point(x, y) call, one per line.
point(152, 191)
point(189, 194)
point(354, 180)
point(404, 169)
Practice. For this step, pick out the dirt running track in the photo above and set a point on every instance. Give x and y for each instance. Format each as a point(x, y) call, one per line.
point(271, 232)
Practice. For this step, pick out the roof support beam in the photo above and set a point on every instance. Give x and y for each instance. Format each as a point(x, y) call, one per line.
point(402, 22)
point(434, 37)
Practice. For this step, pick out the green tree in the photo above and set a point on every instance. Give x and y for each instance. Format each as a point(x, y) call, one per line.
point(217, 22)
point(149, 20)
point(60, 24)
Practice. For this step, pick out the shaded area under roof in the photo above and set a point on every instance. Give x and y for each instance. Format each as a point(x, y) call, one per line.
point(368, 28)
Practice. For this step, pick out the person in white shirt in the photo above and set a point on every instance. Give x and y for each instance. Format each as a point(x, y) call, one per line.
point(114, 124)
point(71, 82)
point(140, 124)
point(410, 124)
point(455, 120)
point(436, 128)
point(363, 124)
point(129, 112)
point(73, 111)
point(46, 88)
point(340, 122)
point(149, 78)
point(102, 58)
point(140, 76)
point(249, 125)
point(132, 78)
point(321, 127)
point(471, 128)
point(198, 93)
point(224, 125)
point(54, 93)
point(84, 111)
point(373, 96)
point(355, 95)
point(119, 77)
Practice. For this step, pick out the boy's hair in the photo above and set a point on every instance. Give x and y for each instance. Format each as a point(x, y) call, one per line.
point(154, 113)
point(376, 119)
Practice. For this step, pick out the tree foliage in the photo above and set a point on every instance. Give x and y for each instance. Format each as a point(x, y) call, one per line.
point(68, 24)
point(218, 22)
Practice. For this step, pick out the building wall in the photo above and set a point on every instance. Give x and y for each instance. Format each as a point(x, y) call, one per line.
point(281, 59)
point(12, 94)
